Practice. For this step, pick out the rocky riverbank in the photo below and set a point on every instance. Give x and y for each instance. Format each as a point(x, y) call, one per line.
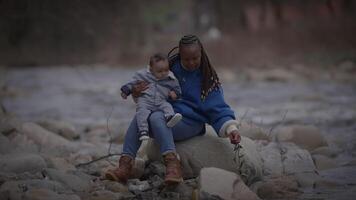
point(299, 139)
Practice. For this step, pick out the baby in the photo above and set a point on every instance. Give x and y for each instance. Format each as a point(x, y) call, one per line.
point(162, 85)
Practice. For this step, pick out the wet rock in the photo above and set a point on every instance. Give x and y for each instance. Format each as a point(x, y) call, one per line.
point(224, 184)
point(16, 189)
point(115, 186)
point(212, 151)
point(323, 162)
point(44, 194)
point(64, 129)
point(280, 187)
point(9, 123)
point(326, 151)
point(75, 183)
point(307, 179)
point(23, 144)
point(43, 137)
point(343, 175)
point(296, 160)
point(155, 168)
point(5, 145)
point(59, 163)
point(104, 195)
point(350, 163)
point(182, 190)
point(308, 137)
point(21, 162)
point(136, 186)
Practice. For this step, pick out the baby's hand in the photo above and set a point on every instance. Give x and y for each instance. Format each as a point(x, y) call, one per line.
point(123, 95)
point(172, 95)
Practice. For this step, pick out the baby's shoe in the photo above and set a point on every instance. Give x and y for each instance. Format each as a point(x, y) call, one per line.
point(144, 136)
point(173, 120)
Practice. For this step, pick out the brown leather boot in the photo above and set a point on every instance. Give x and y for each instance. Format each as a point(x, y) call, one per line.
point(123, 172)
point(173, 169)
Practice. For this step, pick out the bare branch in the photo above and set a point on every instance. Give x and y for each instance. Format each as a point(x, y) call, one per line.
point(95, 160)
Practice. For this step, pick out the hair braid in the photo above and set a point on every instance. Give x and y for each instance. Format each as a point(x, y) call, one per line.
point(210, 79)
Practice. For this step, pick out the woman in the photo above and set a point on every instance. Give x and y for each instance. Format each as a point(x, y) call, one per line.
point(202, 101)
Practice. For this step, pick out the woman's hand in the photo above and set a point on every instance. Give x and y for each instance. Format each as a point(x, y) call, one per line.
point(235, 137)
point(138, 88)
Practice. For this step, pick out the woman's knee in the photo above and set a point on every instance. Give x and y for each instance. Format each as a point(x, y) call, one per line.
point(155, 117)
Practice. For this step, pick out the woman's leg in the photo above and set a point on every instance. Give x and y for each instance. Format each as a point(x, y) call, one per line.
point(165, 136)
point(187, 128)
point(131, 142)
point(161, 133)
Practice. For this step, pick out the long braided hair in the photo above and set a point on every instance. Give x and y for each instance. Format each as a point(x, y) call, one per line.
point(210, 79)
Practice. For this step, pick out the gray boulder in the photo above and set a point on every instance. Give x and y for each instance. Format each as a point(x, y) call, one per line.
point(64, 129)
point(212, 151)
point(21, 162)
point(224, 184)
point(308, 137)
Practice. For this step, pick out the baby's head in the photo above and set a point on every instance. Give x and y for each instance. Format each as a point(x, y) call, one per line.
point(159, 66)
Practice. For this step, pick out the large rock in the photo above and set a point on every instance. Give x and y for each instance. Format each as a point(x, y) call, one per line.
point(21, 162)
point(296, 160)
point(272, 159)
point(64, 129)
point(308, 137)
point(225, 184)
point(5, 145)
point(322, 162)
point(279, 187)
point(43, 137)
point(212, 151)
point(16, 189)
point(74, 182)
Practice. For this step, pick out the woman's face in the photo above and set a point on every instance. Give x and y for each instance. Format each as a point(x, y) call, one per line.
point(190, 56)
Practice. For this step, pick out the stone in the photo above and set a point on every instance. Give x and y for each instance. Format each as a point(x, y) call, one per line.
point(135, 185)
point(61, 128)
point(16, 189)
point(5, 145)
point(75, 183)
point(21, 162)
point(278, 187)
point(323, 162)
point(9, 123)
point(43, 137)
point(296, 160)
point(182, 190)
point(272, 159)
point(59, 163)
point(115, 187)
point(307, 179)
point(326, 151)
point(212, 151)
point(44, 194)
point(308, 137)
point(227, 185)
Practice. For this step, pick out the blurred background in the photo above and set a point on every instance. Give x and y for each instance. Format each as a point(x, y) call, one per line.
point(119, 32)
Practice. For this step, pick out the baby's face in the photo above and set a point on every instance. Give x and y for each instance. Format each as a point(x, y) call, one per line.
point(160, 69)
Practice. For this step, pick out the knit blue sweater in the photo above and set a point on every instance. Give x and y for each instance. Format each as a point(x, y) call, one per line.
point(213, 110)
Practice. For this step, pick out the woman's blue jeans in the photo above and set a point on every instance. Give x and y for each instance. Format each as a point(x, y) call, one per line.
point(163, 135)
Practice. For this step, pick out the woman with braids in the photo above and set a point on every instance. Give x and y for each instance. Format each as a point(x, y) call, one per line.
point(201, 102)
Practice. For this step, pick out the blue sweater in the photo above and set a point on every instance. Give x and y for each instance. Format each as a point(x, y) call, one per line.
point(213, 110)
